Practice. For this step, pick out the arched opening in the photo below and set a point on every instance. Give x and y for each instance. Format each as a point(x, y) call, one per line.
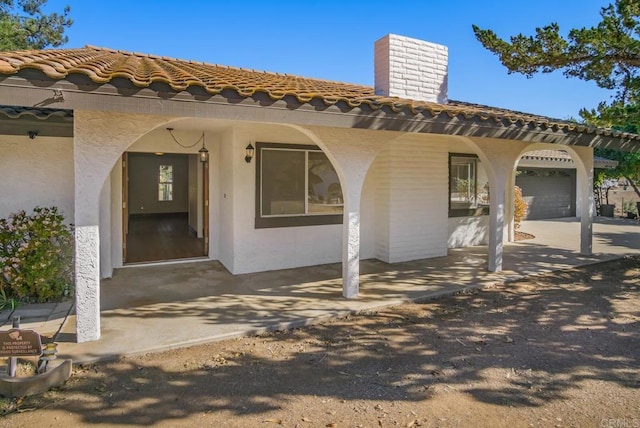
point(547, 177)
point(562, 180)
point(164, 197)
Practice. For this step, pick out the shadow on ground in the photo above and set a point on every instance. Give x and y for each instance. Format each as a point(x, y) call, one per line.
point(524, 344)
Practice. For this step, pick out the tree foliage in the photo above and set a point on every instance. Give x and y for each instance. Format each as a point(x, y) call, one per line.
point(608, 54)
point(24, 25)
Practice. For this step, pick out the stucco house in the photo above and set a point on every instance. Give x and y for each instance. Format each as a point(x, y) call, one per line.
point(281, 171)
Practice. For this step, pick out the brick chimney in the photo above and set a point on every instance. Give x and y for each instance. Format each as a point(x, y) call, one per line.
point(411, 68)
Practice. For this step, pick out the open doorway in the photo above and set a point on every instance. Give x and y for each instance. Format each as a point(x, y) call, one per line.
point(164, 202)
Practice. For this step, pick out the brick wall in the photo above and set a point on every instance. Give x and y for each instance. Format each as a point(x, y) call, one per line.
point(411, 201)
point(411, 68)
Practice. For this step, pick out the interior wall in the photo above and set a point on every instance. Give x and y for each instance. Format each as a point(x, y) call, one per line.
point(36, 172)
point(143, 183)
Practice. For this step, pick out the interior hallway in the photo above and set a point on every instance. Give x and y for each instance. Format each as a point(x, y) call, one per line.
point(156, 237)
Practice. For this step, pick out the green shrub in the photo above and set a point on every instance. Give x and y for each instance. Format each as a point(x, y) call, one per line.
point(36, 256)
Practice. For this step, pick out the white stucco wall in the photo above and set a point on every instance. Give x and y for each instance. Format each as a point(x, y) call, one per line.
point(36, 172)
point(403, 203)
point(224, 203)
point(116, 219)
point(105, 230)
point(468, 231)
point(270, 248)
point(195, 196)
point(585, 201)
point(411, 199)
point(368, 216)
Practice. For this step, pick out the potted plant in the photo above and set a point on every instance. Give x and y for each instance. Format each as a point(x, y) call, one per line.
point(602, 191)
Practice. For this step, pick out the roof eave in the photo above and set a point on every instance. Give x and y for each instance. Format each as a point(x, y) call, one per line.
point(84, 95)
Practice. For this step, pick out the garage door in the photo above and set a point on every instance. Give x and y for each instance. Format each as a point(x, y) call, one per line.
point(550, 193)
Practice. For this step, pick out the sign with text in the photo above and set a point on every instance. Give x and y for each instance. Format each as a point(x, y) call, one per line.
point(20, 343)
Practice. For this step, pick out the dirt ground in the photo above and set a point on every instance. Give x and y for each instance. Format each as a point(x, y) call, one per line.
point(560, 350)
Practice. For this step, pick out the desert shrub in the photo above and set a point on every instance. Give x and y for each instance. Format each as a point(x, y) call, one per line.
point(629, 207)
point(36, 256)
point(519, 207)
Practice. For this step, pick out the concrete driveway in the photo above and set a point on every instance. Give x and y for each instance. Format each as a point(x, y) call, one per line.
point(159, 307)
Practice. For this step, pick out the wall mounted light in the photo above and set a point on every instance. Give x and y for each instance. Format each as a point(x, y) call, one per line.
point(32, 134)
point(249, 152)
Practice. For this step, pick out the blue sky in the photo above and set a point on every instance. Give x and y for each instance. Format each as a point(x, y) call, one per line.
point(334, 39)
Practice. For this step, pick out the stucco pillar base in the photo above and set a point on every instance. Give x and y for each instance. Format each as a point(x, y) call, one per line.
point(586, 235)
point(351, 255)
point(585, 178)
point(496, 227)
point(87, 283)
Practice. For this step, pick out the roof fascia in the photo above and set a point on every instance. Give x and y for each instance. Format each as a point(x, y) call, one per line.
point(120, 95)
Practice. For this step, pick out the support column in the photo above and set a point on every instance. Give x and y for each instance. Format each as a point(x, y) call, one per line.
point(87, 261)
point(585, 181)
point(352, 162)
point(496, 223)
point(500, 158)
point(100, 138)
point(510, 231)
point(87, 283)
point(351, 242)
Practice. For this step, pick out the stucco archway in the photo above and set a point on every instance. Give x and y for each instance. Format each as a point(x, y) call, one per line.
point(352, 162)
point(155, 140)
point(100, 138)
point(583, 160)
point(500, 158)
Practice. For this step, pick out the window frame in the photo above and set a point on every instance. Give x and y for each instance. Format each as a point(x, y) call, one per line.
point(165, 183)
point(289, 220)
point(465, 212)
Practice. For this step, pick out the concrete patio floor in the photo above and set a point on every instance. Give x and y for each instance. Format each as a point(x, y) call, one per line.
point(151, 308)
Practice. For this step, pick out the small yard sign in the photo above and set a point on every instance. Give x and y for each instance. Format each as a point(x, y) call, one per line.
point(20, 343)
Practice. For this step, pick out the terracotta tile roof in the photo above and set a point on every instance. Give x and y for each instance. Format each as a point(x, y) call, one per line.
point(102, 65)
point(555, 155)
point(563, 156)
point(39, 113)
